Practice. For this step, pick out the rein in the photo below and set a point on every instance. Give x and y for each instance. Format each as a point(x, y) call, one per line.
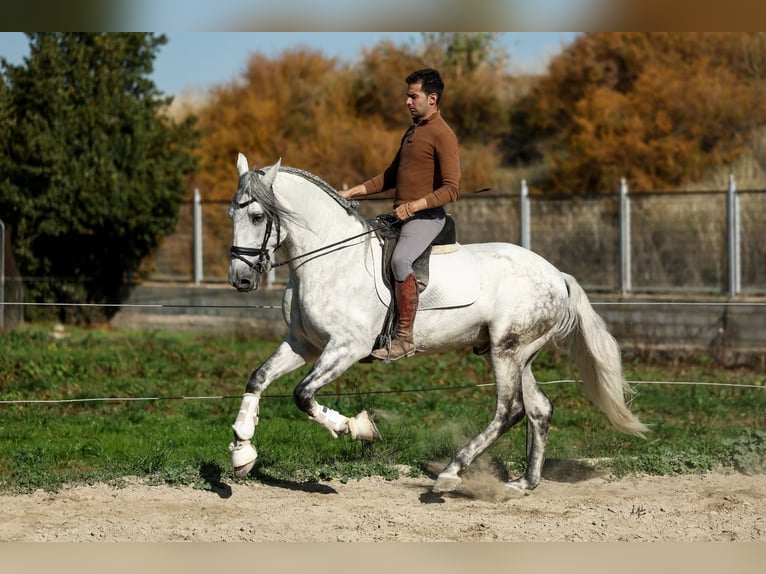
point(264, 264)
point(326, 247)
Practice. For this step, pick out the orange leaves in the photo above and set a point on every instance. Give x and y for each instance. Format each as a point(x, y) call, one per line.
point(659, 108)
point(280, 108)
point(343, 121)
point(662, 109)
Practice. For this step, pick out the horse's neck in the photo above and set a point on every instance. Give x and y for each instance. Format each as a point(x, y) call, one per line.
point(319, 220)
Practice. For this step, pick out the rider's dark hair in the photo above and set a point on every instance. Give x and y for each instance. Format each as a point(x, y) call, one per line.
point(430, 80)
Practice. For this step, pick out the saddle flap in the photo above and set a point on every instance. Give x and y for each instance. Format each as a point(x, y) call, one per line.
point(453, 281)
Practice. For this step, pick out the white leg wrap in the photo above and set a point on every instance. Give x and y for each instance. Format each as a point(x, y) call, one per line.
point(247, 417)
point(332, 420)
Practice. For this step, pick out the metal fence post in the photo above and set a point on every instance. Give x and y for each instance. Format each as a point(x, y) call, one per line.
point(626, 285)
point(197, 237)
point(525, 235)
point(732, 230)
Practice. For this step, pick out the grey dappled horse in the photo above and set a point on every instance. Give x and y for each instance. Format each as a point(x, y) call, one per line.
point(498, 298)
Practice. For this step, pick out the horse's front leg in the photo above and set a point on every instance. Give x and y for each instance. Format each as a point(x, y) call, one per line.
point(334, 361)
point(284, 360)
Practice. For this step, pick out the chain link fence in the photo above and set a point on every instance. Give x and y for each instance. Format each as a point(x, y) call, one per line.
point(676, 241)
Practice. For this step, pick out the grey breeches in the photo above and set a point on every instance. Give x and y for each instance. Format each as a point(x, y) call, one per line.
point(416, 235)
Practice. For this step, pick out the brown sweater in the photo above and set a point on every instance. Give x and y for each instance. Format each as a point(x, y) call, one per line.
point(426, 165)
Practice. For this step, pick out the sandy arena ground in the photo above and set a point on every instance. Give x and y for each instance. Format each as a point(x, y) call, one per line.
point(569, 505)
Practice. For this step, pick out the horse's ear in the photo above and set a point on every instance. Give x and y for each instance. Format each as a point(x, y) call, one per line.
point(242, 164)
point(270, 174)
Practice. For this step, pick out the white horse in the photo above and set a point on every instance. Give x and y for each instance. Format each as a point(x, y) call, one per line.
point(498, 298)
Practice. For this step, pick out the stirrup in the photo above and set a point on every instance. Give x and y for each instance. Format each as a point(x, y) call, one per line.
point(397, 350)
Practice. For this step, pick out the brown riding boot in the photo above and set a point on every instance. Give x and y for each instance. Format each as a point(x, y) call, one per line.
point(406, 296)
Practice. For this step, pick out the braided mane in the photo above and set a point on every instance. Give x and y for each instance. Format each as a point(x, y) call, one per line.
point(348, 205)
point(251, 188)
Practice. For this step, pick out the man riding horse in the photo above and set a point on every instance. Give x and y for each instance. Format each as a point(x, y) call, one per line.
point(425, 174)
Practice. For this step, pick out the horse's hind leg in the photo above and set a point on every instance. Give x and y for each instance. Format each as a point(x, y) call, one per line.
point(509, 410)
point(539, 412)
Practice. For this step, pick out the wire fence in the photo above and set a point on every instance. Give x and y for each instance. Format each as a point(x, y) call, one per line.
point(678, 243)
point(337, 394)
point(354, 394)
point(654, 241)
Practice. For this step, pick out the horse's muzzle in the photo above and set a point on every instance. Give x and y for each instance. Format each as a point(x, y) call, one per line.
point(243, 282)
point(244, 285)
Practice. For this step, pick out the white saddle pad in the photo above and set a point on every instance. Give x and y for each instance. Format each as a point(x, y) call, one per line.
point(453, 280)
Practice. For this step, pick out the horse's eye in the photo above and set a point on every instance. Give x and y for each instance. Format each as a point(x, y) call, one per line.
point(256, 218)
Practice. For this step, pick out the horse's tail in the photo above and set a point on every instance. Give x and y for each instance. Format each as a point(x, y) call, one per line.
point(597, 357)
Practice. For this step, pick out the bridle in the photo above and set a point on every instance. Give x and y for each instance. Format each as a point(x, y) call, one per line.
point(263, 264)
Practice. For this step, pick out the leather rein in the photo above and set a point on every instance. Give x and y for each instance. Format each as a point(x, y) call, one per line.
point(264, 263)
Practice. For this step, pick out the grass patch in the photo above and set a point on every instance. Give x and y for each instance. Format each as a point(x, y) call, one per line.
point(425, 407)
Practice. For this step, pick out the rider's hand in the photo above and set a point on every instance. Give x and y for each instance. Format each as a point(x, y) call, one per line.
point(405, 211)
point(353, 191)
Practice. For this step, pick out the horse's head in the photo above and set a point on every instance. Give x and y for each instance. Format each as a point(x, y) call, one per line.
point(255, 214)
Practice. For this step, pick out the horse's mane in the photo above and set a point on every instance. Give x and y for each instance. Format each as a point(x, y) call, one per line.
point(349, 206)
point(251, 187)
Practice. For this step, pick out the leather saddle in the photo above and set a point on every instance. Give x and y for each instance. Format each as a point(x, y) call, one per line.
point(388, 229)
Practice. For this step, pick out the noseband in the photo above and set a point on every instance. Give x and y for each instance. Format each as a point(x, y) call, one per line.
point(263, 264)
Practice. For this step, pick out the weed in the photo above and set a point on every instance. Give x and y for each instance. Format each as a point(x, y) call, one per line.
point(747, 452)
point(431, 407)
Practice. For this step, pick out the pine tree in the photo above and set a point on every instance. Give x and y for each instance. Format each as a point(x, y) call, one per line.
point(93, 170)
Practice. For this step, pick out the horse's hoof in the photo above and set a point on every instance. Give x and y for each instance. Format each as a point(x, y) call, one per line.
point(446, 483)
point(361, 427)
point(518, 487)
point(243, 455)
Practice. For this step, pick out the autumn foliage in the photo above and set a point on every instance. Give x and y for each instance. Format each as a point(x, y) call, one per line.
point(343, 122)
point(660, 109)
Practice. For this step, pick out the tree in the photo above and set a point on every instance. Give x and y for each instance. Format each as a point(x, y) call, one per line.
point(297, 107)
point(378, 87)
point(5, 120)
point(344, 122)
point(94, 170)
point(662, 109)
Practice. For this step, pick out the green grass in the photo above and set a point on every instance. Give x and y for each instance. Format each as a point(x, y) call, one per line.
point(422, 416)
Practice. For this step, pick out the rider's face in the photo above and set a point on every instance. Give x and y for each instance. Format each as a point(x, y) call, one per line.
point(419, 104)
